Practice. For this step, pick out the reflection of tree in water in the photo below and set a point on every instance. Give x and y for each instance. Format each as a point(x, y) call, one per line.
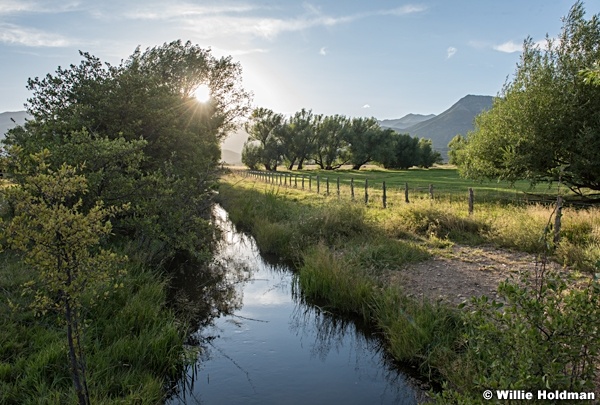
point(201, 292)
point(334, 332)
point(207, 292)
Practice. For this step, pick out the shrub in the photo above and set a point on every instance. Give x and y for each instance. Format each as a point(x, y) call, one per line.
point(546, 336)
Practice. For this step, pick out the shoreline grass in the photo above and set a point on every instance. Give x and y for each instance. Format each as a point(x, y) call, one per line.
point(134, 343)
point(341, 256)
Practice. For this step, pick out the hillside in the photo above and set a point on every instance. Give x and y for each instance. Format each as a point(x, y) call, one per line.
point(6, 123)
point(457, 119)
point(406, 121)
point(231, 157)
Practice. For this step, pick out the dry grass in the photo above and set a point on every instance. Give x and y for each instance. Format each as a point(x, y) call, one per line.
point(522, 228)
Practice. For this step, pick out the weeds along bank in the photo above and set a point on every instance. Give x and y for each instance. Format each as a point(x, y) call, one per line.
point(134, 345)
point(546, 336)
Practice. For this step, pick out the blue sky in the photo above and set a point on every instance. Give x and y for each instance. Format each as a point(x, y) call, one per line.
point(380, 58)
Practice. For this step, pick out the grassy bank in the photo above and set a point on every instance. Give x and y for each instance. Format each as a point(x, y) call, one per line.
point(447, 220)
point(343, 251)
point(342, 256)
point(134, 343)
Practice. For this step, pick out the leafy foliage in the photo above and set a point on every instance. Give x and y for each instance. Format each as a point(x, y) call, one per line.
point(266, 128)
point(60, 241)
point(404, 151)
point(546, 123)
point(546, 336)
point(142, 135)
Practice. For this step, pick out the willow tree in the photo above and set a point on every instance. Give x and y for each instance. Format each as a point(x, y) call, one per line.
point(545, 124)
point(265, 130)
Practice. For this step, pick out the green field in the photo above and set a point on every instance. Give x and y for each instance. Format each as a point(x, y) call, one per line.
point(447, 184)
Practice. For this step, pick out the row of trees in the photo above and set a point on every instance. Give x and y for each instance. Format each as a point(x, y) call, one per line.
point(545, 124)
point(329, 142)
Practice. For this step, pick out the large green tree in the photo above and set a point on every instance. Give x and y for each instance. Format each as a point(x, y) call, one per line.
point(299, 139)
point(545, 124)
point(365, 138)
point(331, 142)
point(265, 130)
point(143, 137)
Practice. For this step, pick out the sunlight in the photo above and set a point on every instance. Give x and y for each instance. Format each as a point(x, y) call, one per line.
point(202, 93)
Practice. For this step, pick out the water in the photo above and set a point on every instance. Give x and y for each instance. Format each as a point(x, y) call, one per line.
point(263, 345)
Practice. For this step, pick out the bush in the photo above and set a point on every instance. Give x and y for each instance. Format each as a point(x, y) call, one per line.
point(546, 336)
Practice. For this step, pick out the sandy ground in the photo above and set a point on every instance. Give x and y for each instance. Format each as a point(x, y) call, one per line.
point(462, 272)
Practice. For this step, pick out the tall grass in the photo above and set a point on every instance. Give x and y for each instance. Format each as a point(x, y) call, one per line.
point(343, 249)
point(343, 257)
point(134, 343)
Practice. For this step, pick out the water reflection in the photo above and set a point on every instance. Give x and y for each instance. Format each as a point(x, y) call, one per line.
point(263, 345)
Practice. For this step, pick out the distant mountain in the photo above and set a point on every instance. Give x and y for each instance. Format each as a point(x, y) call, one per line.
point(406, 121)
point(231, 157)
point(6, 123)
point(457, 119)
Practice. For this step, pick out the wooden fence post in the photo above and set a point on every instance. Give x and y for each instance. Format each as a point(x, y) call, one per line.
point(310, 182)
point(352, 188)
point(302, 182)
point(338, 186)
point(384, 197)
point(295, 181)
point(327, 181)
point(470, 200)
point(558, 219)
point(318, 185)
point(366, 191)
point(431, 191)
point(406, 193)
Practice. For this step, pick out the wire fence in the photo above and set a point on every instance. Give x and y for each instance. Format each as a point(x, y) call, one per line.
point(375, 192)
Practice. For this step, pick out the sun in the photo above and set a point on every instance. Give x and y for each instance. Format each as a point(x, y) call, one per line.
point(202, 93)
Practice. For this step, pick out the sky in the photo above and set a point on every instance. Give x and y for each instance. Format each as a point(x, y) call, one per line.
point(380, 58)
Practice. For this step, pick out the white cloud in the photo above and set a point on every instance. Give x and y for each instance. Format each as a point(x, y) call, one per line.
point(366, 106)
point(323, 51)
point(404, 10)
point(210, 21)
point(166, 11)
point(451, 51)
point(508, 47)
point(28, 6)
point(13, 6)
point(14, 34)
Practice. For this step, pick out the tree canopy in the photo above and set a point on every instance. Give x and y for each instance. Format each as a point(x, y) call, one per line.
point(138, 134)
point(545, 124)
point(329, 142)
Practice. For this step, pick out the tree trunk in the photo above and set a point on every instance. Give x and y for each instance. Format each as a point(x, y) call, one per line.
point(76, 372)
point(291, 166)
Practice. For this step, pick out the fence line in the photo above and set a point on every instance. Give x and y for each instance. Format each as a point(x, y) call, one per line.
point(384, 195)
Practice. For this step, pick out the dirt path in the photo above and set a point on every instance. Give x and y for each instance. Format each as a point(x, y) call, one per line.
point(463, 272)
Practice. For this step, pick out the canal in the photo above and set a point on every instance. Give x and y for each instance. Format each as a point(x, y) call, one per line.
point(262, 344)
